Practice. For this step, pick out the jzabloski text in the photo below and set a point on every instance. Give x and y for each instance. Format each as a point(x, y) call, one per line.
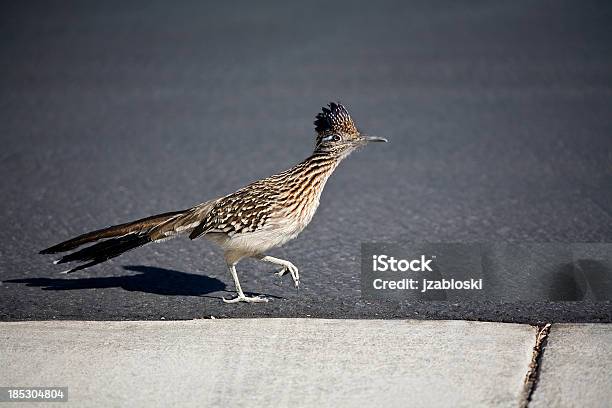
point(385, 263)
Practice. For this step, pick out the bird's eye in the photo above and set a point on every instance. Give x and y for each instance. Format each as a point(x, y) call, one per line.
point(332, 138)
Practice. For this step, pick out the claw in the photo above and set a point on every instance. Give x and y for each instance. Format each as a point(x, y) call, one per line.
point(286, 267)
point(247, 299)
point(296, 277)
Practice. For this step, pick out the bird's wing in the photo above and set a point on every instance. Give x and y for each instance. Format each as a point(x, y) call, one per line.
point(246, 210)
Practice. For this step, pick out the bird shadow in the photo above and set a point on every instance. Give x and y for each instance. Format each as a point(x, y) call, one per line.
point(150, 279)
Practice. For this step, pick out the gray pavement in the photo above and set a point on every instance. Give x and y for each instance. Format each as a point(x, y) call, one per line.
point(308, 362)
point(271, 362)
point(576, 366)
point(498, 115)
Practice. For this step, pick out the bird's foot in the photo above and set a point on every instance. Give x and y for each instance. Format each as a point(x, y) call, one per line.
point(247, 299)
point(293, 270)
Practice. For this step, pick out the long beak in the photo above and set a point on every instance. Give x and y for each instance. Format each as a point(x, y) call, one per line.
point(374, 139)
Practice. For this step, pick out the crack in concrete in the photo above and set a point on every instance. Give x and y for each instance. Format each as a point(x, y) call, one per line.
point(532, 376)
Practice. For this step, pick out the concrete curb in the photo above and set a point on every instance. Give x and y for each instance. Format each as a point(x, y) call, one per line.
point(278, 362)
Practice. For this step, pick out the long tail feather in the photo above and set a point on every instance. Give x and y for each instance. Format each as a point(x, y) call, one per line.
point(119, 239)
point(111, 232)
point(105, 250)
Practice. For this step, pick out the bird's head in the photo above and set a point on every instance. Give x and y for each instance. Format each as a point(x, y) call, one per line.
point(337, 133)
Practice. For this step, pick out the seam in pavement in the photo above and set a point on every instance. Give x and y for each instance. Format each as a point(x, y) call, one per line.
point(532, 376)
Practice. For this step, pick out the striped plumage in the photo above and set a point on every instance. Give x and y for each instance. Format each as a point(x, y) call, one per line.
point(265, 214)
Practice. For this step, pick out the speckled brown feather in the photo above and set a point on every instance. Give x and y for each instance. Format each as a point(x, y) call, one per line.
point(251, 207)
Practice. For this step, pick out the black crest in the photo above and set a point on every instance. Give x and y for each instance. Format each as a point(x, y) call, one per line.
point(336, 119)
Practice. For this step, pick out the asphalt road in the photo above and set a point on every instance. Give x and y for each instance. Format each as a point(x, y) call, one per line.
point(498, 113)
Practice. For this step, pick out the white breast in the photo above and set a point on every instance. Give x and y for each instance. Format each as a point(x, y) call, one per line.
point(286, 221)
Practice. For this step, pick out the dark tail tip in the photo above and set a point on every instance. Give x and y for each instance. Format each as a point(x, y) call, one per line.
point(102, 251)
point(61, 247)
point(72, 243)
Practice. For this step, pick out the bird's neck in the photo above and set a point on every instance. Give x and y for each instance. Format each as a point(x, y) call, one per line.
point(319, 165)
point(303, 184)
point(309, 176)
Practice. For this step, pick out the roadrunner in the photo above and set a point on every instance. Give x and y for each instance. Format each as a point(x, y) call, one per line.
point(263, 215)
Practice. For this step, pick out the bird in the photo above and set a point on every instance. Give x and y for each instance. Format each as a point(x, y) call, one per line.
point(247, 223)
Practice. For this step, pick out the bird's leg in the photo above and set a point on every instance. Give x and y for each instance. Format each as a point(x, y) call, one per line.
point(241, 296)
point(286, 267)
